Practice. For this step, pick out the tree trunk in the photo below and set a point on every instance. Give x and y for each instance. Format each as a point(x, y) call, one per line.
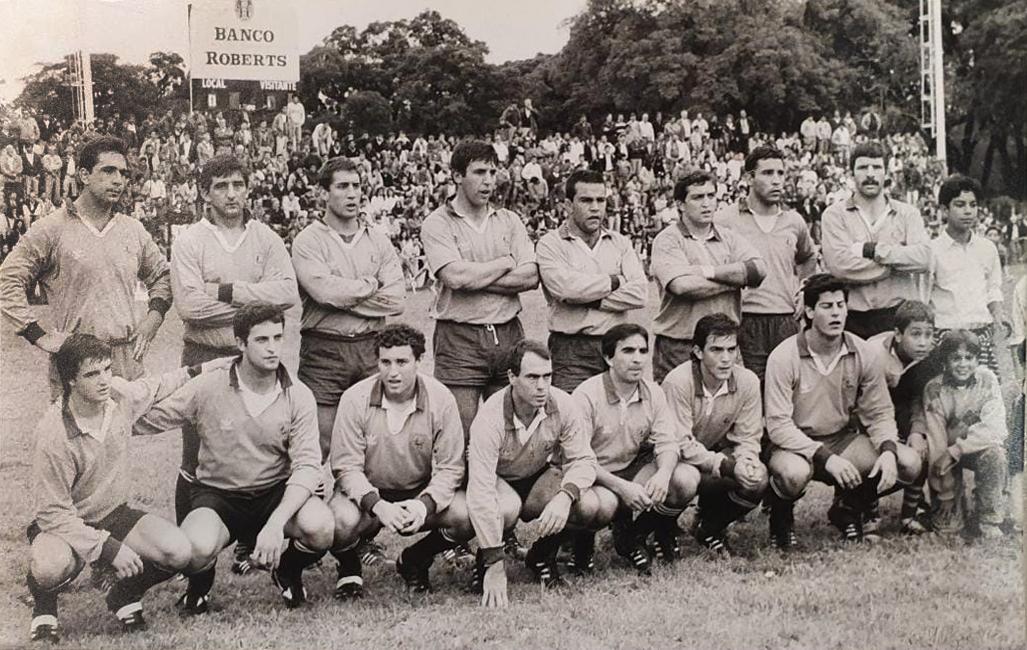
point(988, 156)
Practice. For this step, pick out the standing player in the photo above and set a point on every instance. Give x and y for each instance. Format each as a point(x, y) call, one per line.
point(966, 275)
point(351, 279)
point(88, 260)
point(783, 238)
point(398, 461)
point(635, 439)
point(701, 269)
point(875, 244)
point(829, 418)
point(80, 470)
point(483, 260)
point(259, 462)
point(719, 412)
point(529, 453)
point(217, 265)
point(591, 277)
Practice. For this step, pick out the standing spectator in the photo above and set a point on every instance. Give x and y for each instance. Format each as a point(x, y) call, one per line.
point(11, 167)
point(296, 115)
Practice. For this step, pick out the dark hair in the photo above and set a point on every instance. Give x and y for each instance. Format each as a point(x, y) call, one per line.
point(220, 166)
point(397, 335)
point(91, 150)
point(582, 176)
point(913, 311)
point(255, 313)
point(955, 185)
point(332, 165)
point(820, 283)
point(955, 339)
point(715, 324)
point(618, 333)
point(762, 152)
point(517, 352)
point(868, 149)
point(698, 177)
point(76, 350)
point(470, 151)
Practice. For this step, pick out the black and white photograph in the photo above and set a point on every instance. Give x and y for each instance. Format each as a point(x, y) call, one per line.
point(553, 323)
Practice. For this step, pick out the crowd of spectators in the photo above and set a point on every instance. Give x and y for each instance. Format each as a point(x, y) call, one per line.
point(407, 176)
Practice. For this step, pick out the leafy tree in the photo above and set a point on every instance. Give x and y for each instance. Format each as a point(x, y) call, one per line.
point(167, 73)
point(366, 111)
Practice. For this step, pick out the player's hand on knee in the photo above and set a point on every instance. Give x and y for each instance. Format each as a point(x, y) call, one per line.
point(657, 486)
point(494, 586)
point(635, 496)
point(887, 467)
point(843, 472)
point(393, 516)
point(127, 563)
point(268, 549)
point(554, 515)
point(748, 473)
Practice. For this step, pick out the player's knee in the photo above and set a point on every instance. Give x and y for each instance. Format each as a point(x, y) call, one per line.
point(51, 565)
point(586, 510)
point(791, 477)
point(510, 507)
point(346, 520)
point(316, 524)
point(176, 551)
point(608, 504)
point(908, 463)
point(684, 484)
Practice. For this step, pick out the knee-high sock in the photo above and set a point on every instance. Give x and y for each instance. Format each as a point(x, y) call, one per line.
point(132, 589)
point(201, 581)
point(430, 545)
point(45, 599)
point(297, 557)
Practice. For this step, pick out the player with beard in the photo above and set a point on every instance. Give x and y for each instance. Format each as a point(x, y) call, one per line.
point(783, 238)
point(829, 418)
point(88, 259)
point(876, 244)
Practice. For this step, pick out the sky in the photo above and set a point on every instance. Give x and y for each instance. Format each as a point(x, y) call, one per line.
point(46, 30)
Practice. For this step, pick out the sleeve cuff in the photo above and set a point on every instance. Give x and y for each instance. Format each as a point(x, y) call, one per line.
point(752, 274)
point(110, 549)
point(727, 467)
point(160, 305)
point(492, 555)
point(889, 445)
point(869, 249)
point(33, 332)
point(368, 501)
point(571, 490)
point(225, 292)
point(820, 457)
point(429, 504)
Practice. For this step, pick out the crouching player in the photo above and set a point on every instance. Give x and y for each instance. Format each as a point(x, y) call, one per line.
point(636, 446)
point(398, 460)
point(718, 401)
point(259, 462)
point(79, 472)
point(905, 354)
point(964, 420)
point(829, 418)
point(529, 454)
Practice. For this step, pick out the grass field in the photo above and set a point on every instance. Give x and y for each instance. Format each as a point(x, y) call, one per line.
point(900, 593)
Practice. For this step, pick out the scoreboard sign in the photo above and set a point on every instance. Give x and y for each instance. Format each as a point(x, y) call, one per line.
point(251, 40)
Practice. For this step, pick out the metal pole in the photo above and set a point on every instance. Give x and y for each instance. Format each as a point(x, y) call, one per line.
point(189, 29)
point(87, 86)
point(938, 69)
